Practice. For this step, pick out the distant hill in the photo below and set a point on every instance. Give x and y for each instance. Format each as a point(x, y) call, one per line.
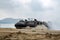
point(9, 21)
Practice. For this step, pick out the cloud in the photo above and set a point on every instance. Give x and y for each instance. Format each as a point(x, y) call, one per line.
point(24, 8)
point(36, 6)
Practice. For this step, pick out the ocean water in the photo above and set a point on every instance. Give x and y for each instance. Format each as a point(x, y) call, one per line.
point(7, 26)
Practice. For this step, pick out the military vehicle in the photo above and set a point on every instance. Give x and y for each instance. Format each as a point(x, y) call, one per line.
point(30, 23)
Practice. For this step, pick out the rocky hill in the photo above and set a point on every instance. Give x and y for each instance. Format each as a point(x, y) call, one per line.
point(9, 21)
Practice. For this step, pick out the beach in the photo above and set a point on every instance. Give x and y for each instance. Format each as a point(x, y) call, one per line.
point(28, 34)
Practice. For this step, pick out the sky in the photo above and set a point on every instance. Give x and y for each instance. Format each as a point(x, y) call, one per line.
point(47, 10)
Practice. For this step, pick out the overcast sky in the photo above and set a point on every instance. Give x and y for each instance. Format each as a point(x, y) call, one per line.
point(40, 9)
point(43, 9)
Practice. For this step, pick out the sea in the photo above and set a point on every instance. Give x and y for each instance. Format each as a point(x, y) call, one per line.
point(7, 26)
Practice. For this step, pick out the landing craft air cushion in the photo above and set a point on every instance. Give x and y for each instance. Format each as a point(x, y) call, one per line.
point(30, 23)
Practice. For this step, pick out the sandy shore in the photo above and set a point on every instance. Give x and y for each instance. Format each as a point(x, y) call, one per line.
point(28, 34)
